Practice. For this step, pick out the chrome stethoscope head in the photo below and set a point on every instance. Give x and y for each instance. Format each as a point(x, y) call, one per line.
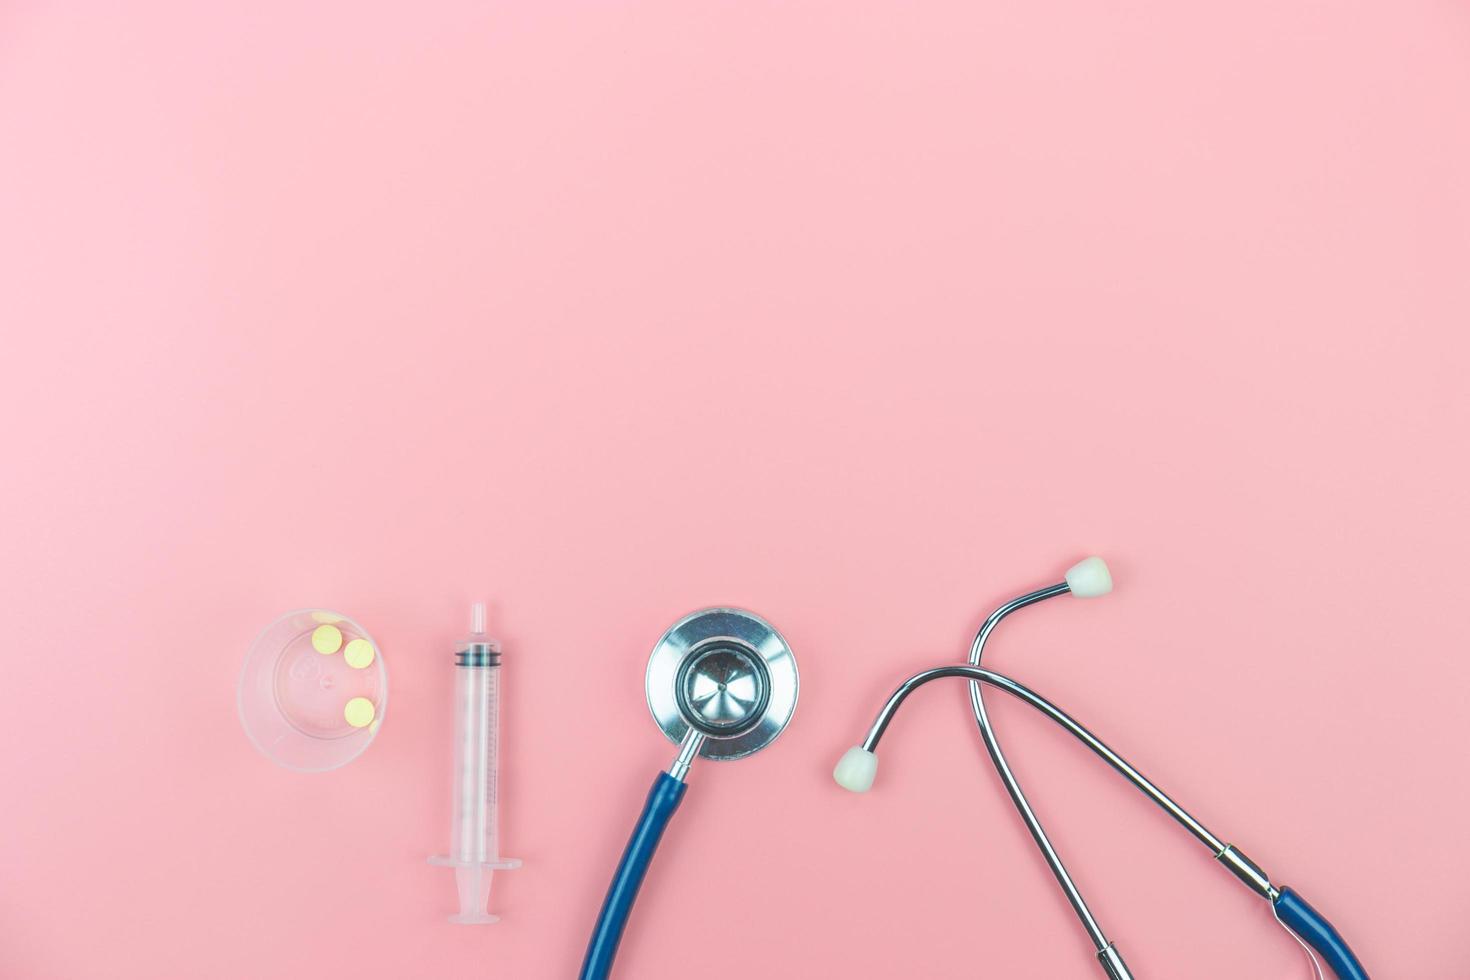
point(722, 684)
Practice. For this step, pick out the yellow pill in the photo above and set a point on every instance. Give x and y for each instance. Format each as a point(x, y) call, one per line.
point(326, 639)
point(322, 616)
point(359, 712)
point(359, 653)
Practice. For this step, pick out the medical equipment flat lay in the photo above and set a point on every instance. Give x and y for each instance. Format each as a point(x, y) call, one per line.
point(721, 684)
point(858, 767)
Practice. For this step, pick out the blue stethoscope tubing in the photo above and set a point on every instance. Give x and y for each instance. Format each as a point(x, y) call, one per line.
point(664, 798)
point(1317, 932)
point(667, 793)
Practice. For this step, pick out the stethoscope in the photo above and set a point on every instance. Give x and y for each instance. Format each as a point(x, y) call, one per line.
point(1089, 578)
point(721, 684)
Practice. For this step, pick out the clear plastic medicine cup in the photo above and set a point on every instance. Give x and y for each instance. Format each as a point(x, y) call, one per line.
point(313, 691)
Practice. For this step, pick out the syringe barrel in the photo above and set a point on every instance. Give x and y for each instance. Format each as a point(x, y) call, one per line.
point(474, 834)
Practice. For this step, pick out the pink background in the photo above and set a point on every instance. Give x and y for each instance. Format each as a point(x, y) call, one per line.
point(863, 315)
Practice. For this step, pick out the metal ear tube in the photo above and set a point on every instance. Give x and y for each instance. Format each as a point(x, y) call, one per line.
point(857, 769)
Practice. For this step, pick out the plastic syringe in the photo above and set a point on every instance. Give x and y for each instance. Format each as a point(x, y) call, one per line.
point(474, 848)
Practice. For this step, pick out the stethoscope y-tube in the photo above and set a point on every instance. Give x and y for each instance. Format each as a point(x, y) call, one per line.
point(859, 766)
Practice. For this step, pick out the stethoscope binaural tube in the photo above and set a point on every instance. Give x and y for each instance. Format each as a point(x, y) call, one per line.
point(722, 683)
point(1089, 578)
point(858, 767)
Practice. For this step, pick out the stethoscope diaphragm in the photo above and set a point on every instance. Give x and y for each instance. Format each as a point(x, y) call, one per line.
point(726, 673)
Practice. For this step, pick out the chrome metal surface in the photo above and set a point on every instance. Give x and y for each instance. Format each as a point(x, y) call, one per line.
point(1113, 964)
point(1018, 797)
point(1080, 732)
point(1248, 871)
point(688, 749)
point(1003, 769)
point(1072, 725)
point(727, 674)
point(1107, 955)
point(723, 688)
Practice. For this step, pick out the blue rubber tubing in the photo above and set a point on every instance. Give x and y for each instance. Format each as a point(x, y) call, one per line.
point(663, 800)
point(1318, 933)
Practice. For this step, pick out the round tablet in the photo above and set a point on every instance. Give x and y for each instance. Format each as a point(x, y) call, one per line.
point(326, 639)
point(359, 712)
point(359, 653)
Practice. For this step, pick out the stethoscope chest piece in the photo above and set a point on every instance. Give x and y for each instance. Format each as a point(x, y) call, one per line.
point(726, 673)
point(721, 684)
